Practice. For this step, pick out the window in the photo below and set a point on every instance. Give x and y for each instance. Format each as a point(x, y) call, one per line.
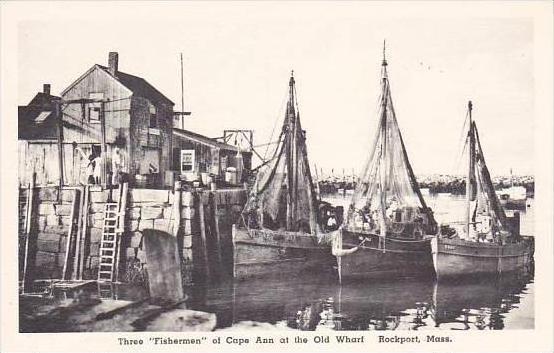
point(42, 116)
point(187, 161)
point(153, 117)
point(94, 108)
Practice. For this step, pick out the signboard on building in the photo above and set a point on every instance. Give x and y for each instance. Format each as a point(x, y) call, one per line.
point(187, 161)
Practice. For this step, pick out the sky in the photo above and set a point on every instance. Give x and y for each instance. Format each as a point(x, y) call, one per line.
point(238, 59)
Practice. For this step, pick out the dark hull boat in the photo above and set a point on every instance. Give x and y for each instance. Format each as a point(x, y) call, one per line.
point(457, 257)
point(389, 227)
point(280, 233)
point(490, 242)
point(262, 253)
point(378, 257)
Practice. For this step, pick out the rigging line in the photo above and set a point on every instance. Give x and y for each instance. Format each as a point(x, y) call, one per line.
point(277, 119)
point(460, 139)
point(117, 100)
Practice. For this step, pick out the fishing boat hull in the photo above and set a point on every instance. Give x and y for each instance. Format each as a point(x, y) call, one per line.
point(384, 258)
point(457, 257)
point(263, 253)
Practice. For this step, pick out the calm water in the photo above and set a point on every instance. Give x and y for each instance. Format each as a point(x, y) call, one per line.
point(315, 303)
point(402, 304)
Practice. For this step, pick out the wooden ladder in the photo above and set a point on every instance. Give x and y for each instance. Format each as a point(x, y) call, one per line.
point(114, 217)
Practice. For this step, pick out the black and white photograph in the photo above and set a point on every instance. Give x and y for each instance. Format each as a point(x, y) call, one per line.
point(278, 175)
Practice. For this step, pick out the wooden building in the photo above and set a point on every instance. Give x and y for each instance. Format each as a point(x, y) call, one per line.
point(195, 154)
point(126, 122)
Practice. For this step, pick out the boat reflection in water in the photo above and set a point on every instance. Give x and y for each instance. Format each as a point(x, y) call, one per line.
point(400, 304)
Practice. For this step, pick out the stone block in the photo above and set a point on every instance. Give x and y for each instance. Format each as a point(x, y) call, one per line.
point(99, 196)
point(63, 245)
point(136, 240)
point(187, 255)
point(146, 224)
point(186, 198)
point(168, 212)
point(131, 253)
point(64, 220)
point(48, 236)
point(187, 227)
point(46, 208)
point(68, 195)
point(133, 225)
point(41, 223)
point(60, 260)
point(161, 224)
point(149, 195)
point(95, 249)
point(45, 259)
point(52, 220)
point(94, 261)
point(95, 235)
point(97, 216)
point(96, 208)
point(187, 213)
point(48, 194)
point(151, 213)
point(141, 255)
point(98, 223)
point(48, 245)
point(134, 212)
point(187, 241)
point(63, 209)
point(59, 229)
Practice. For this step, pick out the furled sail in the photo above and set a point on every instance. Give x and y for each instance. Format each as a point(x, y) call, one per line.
point(387, 183)
point(283, 195)
point(487, 200)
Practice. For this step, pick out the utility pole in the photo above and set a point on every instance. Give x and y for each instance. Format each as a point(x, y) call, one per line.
point(103, 143)
point(59, 123)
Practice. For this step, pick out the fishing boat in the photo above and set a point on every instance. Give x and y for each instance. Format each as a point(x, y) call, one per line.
point(281, 230)
point(388, 226)
point(489, 242)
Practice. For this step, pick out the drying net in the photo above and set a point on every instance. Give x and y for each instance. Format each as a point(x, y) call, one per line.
point(283, 195)
point(387, 192)
point(486, 202)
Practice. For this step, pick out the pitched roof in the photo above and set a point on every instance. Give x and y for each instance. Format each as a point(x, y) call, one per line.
point(36, 120)
point(204, 140)
point(139, 86)
point(30, 128)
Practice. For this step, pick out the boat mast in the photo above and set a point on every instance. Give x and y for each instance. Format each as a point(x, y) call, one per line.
point(291, 154)
point(383, 167)
point(471, 168)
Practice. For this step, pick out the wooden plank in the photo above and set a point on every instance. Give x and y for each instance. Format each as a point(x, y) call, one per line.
point(28, 267)
point(216, 225)
point(74, 205)
point(78, 221)
point(84, 225)
point(202, 221)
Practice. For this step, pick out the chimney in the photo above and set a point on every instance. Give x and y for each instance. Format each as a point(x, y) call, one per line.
point(46, 88)
point(113, 59)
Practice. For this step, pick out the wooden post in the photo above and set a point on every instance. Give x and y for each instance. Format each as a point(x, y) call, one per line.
point(203, 230)
point(29, 232)
point(120, 226)
point(84, 224)
point(78, 215)
point(70, 234)
point(216, 224)
point(59, 124)
point(103, 142)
